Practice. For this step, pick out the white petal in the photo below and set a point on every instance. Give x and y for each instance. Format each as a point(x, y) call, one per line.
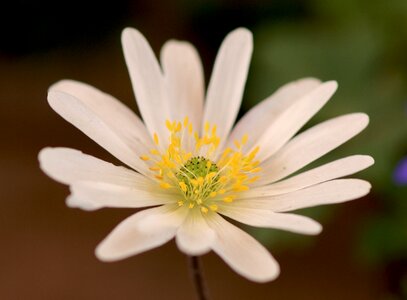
point(69, 165)
point(127, 239)
point(241, 252)
point(195, 237)
point(264, 114)
point(147, 81)
point(311, 145)
point(95, 195)
point(111, 110)
point(266, 218)
point(173, 217)
point(227, 82)
point(335, 191)
point(99, 128)
point(184, 81)
point(336, 169)
point(288, 123)
point(74, 202)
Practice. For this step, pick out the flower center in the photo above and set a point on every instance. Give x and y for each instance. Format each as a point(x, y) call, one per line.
point(192, 167)
point(198, 179)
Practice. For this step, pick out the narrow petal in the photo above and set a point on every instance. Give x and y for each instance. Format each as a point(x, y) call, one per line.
point(195, 237)
point(184, 81)
point(311, 145)
point(127, 239)
point(111, 110)
point(336, 169)
point(266, 218)
point(334, 191)
point(95, 125)
point(69, 166)
point(293, 119)
point(227, 82)
point(265, 113)
point(241, 252)
point(96, 195)
point(147, 81)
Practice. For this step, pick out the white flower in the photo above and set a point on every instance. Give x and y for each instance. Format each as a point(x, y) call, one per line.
point(188, 162)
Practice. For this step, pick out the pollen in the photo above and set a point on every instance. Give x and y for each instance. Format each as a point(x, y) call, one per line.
point(191, 166)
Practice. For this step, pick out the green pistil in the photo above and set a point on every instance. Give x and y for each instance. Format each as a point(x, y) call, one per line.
point(194, 168)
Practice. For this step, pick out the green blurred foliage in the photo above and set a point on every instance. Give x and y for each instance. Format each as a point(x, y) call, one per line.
point(363, 45)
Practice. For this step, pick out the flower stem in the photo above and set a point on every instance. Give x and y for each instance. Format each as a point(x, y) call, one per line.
point(195, 270)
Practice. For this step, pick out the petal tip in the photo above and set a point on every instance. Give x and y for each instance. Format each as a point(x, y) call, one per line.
point(331, 85)
point(241, 33)
point(61, 85)
point(266, 277)
point(369, 161)
point(317, 229)
point(130, 33)
point(197, 251)
point(103, 255)
point(362, 119)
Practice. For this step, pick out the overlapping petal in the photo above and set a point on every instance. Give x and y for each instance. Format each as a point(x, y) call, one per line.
point(111, 110)
point(133, 235)
point(268, 111)
point(268, 219)
point(96, 195)
point(241, 252)
point(227, 81)
point(98, 125)
point(96, 183)
point(334, 191)
point(336, 169)
point(147, 81)
point(293, 118)
point(184, 81)
point(69, 166)
point(311, 145)
point(195, 237)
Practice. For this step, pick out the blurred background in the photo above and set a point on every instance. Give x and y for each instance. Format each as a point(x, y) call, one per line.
point(47, 249)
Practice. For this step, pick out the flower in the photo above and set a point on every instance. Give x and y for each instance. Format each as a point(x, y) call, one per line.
point(187, 162)
point(400, 172)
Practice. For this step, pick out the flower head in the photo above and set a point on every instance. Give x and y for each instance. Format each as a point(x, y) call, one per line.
point(187, 162)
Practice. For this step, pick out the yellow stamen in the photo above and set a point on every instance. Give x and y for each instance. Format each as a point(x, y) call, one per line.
point(244, 139)
point(190, 165)
point(213, 207)
point(168, 124)
point(183, 186)
point(155, 152)
point(228, 199)
point(156, 141)
point(165, 185)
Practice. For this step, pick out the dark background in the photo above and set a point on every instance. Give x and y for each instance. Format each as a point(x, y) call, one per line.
point(46, 249)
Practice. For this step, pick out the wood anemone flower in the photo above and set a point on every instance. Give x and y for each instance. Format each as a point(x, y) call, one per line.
point(188, 162)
